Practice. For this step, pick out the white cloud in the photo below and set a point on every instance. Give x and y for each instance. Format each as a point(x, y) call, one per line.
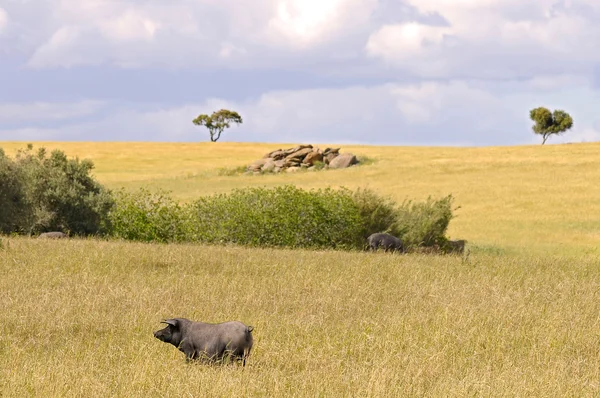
point(130, 26)
point(402, 43)
point(470, 38)
point(230, 50)
point(306, 22)
point(201, 33)
point(3, 19)
point(65, 48)
point(492, 38)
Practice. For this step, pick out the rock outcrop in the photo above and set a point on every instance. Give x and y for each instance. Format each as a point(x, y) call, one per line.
point(301, 157)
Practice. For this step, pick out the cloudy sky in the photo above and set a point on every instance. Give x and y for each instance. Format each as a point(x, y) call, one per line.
point(398, 72)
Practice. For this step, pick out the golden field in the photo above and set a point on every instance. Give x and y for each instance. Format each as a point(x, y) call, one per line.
point(535, 198)
point(519, 316)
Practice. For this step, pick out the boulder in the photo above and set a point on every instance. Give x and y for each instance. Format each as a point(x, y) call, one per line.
point(342, 161)
point(300, 157)
point(278, 154)
point(331, 150)
point(313, 157)
point(299, 154)
point(292, 169)
point(269, 165)
point(270, 154)
point(291, 150)
point(291, 163)
point(329, 157)
point(257, 164)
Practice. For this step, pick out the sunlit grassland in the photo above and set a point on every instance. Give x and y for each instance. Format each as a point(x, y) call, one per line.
point(540, 199)
point(77, 320)
point(519, 316)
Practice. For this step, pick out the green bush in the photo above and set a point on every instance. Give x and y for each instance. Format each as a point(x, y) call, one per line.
point(425, 223)
point(15, 208)
point(148, 217)
point(64, 196)
point(378, 213)
point(44, 193)
point(283, 216)
point(416, 224)
point(40, 193)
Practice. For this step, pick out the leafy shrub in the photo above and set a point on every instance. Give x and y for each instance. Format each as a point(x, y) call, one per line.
point(282, 216)
point(146, 216)
point(15, 208)
point(63, 194)
point(378, 213)
point(416, 224)
point(285, 216)
point(365, 161)
point(319, 165)
point(425, 223)
point(40, 193)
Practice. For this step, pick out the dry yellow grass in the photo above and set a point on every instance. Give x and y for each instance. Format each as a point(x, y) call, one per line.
point(538, 199)
point(77, 320)
point(518, 317)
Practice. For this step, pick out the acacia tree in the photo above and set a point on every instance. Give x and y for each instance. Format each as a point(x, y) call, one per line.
point(548, 123)
point(217, 122)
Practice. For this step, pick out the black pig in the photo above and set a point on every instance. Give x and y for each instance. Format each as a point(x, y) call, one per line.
point(386, 241)
point(198, 340)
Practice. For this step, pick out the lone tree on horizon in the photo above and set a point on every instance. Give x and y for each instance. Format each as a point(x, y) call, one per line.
point(217, 122)
point(548, 123)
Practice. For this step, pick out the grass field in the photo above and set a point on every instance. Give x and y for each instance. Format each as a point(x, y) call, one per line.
point(537, 199)
point(520, 316)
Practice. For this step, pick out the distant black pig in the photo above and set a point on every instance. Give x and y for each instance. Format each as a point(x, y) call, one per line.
point(385, 241)
point(198, 340)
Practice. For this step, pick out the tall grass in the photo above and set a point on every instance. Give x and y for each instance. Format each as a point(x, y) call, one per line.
point(520, 199)
point(77, 320)
point(517, 317)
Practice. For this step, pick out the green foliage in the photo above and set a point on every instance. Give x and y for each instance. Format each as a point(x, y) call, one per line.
point(378, 213)
point(15, 207)
point(548, 123)
point(54, 193)
point(283, 216)
point(422, 224)
point(146, 216)
point(425, 223)
point(217, 122)
point(319, 165)
point(365, 161)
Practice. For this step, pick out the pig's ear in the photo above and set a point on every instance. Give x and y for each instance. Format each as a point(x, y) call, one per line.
point(172, 322)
